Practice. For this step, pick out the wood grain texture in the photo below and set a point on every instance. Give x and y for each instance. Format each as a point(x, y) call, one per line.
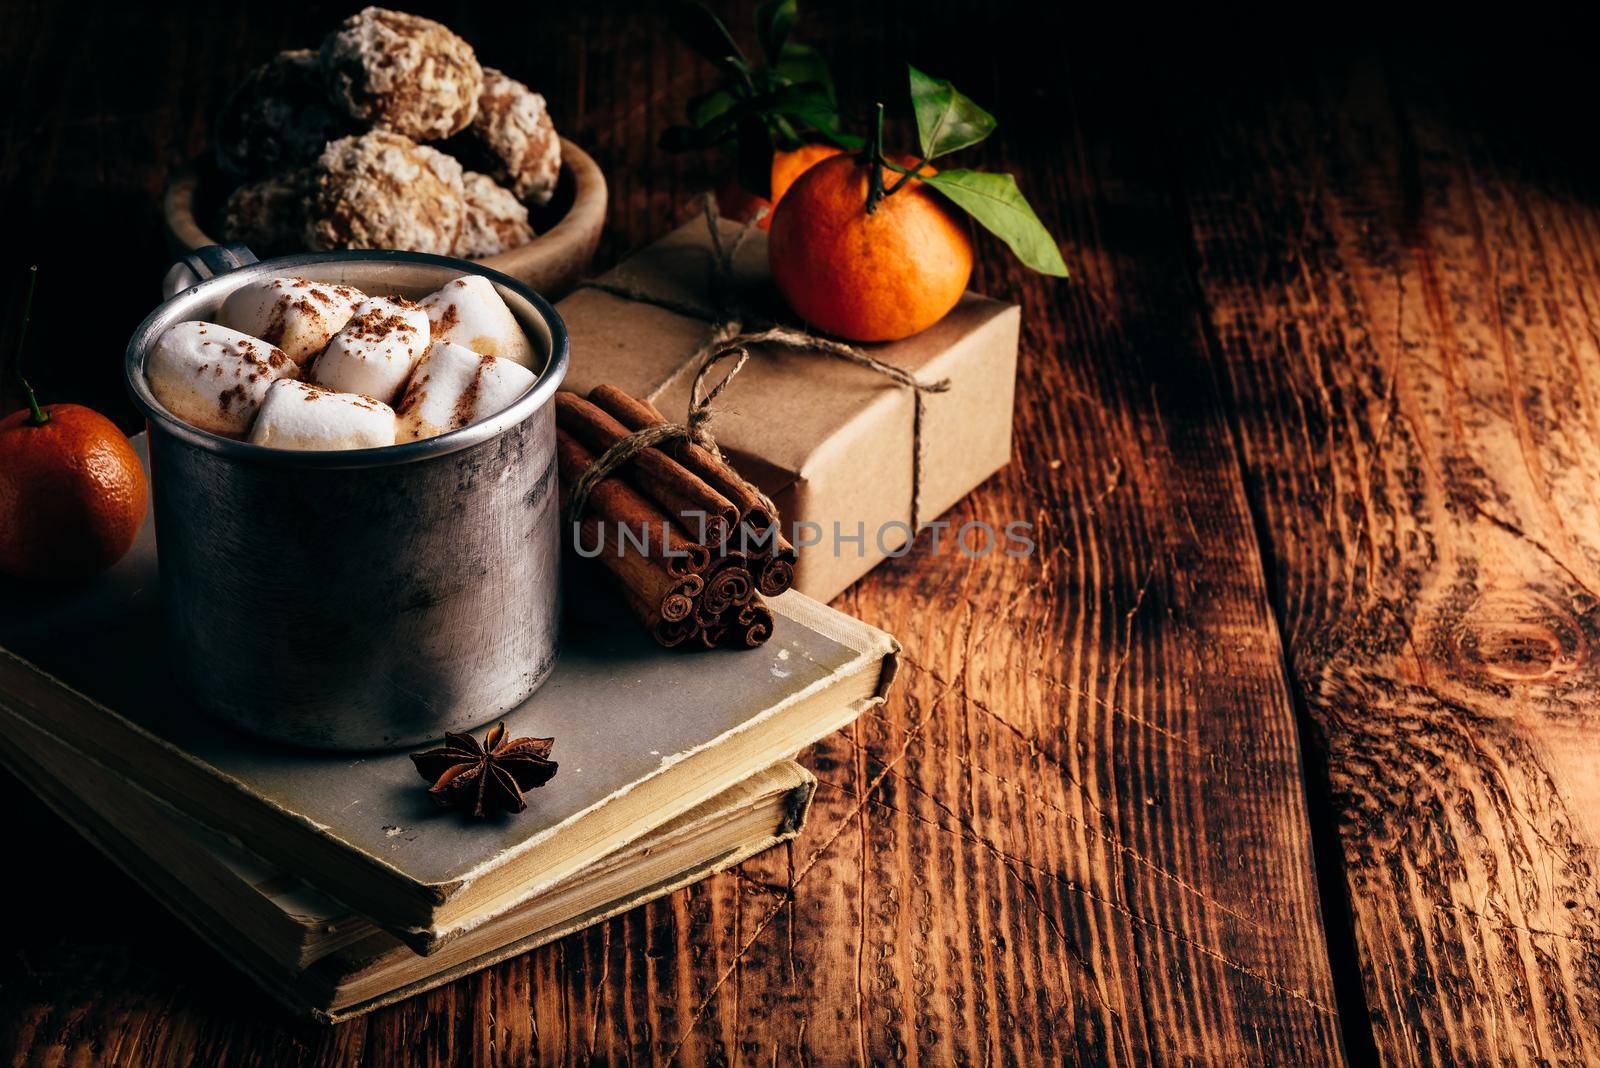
point(1078, 831)
point(1403, 290)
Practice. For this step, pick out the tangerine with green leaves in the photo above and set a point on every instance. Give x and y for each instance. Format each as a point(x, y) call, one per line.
point(877, 275)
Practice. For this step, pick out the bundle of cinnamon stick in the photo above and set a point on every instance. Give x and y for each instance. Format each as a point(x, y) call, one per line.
point(691, 547)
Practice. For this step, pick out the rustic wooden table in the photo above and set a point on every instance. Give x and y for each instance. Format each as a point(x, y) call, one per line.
point(1282, 747)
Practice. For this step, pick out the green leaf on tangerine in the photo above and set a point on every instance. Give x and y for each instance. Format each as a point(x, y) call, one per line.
point(999, 207)
point(946, 120)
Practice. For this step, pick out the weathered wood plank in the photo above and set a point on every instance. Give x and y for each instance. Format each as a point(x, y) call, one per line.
point(1405, 309)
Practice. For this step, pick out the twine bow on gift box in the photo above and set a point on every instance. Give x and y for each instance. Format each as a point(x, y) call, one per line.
point(730, 340)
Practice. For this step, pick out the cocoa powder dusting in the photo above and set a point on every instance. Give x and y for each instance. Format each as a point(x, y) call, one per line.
point(467, 403)
point(376, 325)
point(446, 322)
point(276, 325)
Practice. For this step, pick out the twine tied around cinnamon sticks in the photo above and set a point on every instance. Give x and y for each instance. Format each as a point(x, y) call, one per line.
point(693, 431)
point(730, 340)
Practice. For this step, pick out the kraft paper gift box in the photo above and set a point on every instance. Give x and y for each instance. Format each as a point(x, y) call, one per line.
point(829, 441)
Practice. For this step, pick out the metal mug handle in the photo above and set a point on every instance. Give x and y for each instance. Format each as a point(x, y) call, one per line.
point(208, 261)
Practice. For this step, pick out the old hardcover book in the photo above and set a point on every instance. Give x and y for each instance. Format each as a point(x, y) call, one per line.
point(290, 921)
point(266, 921)
point(642, 736)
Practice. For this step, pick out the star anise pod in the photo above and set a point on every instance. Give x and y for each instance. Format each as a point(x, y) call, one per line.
point(488, 777)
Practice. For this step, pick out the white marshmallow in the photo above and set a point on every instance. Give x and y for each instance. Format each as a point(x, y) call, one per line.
point(296, 315)
point(470, 312)
point(454, 387)
point(299, 415)
point(375, 351)
point(213, 377)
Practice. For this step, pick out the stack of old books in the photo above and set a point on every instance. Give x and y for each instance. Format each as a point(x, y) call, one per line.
point(332, 879)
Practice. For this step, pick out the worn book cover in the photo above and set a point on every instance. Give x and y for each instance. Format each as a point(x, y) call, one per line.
point(224, 894)
point(291, 922)
point(253, 913)
point(642, 736)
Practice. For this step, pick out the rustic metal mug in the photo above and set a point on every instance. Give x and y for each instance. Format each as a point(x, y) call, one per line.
point(360, 599)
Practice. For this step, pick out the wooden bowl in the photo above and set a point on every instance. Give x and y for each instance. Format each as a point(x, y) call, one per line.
point(551, 264)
